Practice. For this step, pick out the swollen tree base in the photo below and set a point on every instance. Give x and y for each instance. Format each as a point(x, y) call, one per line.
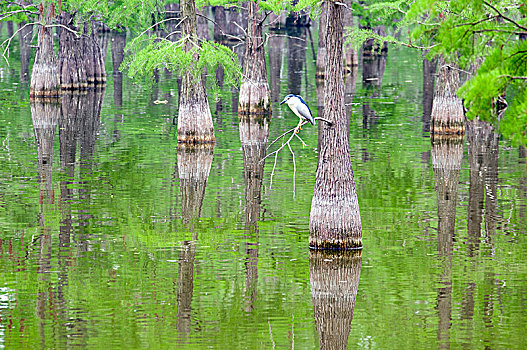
point(254, 98)
point(195, 123)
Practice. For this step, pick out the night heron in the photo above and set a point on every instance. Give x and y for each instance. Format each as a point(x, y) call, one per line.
point(299, 107)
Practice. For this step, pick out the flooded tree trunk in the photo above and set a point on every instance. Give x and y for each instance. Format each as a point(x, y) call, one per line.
point(118, 44)
point(203, 24)
point(221, 23)
point(429, 71)
point(373, 67)
point(254, 91)
point(25, 35)
point(334, 278)
point(275, 47)
point(45, 81)
point(296, 59)
point(322, 52)
point(194, 117)
point(71, 58)
point(447, 110)
point(350, 55)
point(335, 219)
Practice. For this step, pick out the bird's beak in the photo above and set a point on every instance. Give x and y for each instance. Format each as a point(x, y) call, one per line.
point(285, 99)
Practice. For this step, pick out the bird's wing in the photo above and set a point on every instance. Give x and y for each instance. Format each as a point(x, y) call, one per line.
point(304, 110)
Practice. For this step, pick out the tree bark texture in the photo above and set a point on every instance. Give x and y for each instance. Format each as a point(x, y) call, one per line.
point(221, 23)
point(118, 44)
point(45, 81)
point(447, 110)
point(322, 52)
point(335, 218)
point(254, 91)
point(194, 117)
point(24, 39)
point(350, 55)
point(429, 71)
point(334, 278)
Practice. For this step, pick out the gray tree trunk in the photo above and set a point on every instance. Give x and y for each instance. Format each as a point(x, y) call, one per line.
point(45, 82)
point(194, 117)
point(275, 47)
point(429, 71)
point(322, 52)
point(447, 110)
point(335, 218)
point(254, 92)
point(24, 38)
point(221, 23)
point(334, 278)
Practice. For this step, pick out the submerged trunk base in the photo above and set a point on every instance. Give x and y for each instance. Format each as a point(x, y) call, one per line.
point(254, 98)
point(195, 124)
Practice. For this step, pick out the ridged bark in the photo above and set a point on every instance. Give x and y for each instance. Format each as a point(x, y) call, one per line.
point(194, 117)
point(447, 110)
point(334, 278)
point(254, 91)
point(45, 82)
point(335, 219)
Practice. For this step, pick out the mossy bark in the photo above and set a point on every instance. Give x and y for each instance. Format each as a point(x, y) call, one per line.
point(334, 278)
point(335, 218)
point(45, 81)
point(194, 117)
point(447, 116)
point(254, 92)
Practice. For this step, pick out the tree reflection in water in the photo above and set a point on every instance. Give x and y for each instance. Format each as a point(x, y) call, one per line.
point(334, 277)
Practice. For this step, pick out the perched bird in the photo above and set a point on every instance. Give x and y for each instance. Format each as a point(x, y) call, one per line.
point(299, 107)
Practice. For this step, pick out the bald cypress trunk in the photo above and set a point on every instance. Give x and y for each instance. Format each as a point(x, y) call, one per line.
point(334, 278)
point(45, 80)
point(447, 110)
point(254, 91)
point(335, 219)
point(322, 52)
point(194, 117)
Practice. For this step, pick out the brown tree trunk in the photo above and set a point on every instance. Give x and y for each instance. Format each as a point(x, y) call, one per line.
point(322, 52)
point(296, 59)
point(117, 48)
point(373, 67)
point(24, 38)
point(221, 23)
point(203, 24)
point(447, 110)
point(350, 55)
point(275, 47)
point(71, 58)
point(335, 219)
point(45, 81)
point(194, 117)
point(334, 278)
point(254, 91)
point(429, 71)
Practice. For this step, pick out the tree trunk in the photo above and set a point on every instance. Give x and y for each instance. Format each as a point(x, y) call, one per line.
point(25, 36)
point(296, 60)
point(117, 48)
point(221, 23)
point(322, 52)
point(71, 58)
point(45, 80)
point(254, 91)
point(447, 110)
point(350, 55)
point(275, 47)
point(334, 278)
point(429, 71)
point(194, 117)
point(335, 219)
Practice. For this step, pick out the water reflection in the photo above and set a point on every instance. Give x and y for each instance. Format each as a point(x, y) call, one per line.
point(193, 165)
point(446, 159)
point(334, 277)
point(373, 67)
point(254, 134)
point(296, 58)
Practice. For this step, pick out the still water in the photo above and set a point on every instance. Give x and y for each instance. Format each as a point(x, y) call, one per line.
point(112, 237)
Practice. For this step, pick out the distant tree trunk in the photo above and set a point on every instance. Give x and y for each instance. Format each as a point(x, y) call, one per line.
point(9, 28)
point(45, 80)
point(350, 55)
point(221, 23)
point(194, 117)
point(24, 38)
point(322, 52)
point(117, 48)
point(203, 24)
point(429, 70)
point(254, 91)
point(334, 278)
point(373, 67)
point(275, 47)
point(447, 110)
point(296, 59)
point(335, 219)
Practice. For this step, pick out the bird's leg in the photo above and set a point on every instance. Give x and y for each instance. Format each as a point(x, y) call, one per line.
point(299, 126)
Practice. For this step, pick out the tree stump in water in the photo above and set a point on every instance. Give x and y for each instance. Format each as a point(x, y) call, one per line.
point(254, 91)
point(45, 81)
point(335, 218)
point(334, 278)
point(447, 110)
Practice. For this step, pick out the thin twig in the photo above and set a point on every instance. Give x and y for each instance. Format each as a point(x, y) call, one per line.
point(294, 168)
point(293, 333)
point(8, 40)
point(324, 119)
point(158, 23)
point(272, 172)
point(271, 333)
point(285, 133)
point(303, 143)
point(505, 17)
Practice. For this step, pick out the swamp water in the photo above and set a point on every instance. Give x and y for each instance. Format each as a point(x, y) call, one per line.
point(112, 237)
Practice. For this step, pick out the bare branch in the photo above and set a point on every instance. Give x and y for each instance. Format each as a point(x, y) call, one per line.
point(8, 40)
point(505, 17)
point(219, 27)
point(294, 168)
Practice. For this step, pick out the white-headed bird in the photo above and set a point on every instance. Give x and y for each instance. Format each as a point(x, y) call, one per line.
point(299, 107)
